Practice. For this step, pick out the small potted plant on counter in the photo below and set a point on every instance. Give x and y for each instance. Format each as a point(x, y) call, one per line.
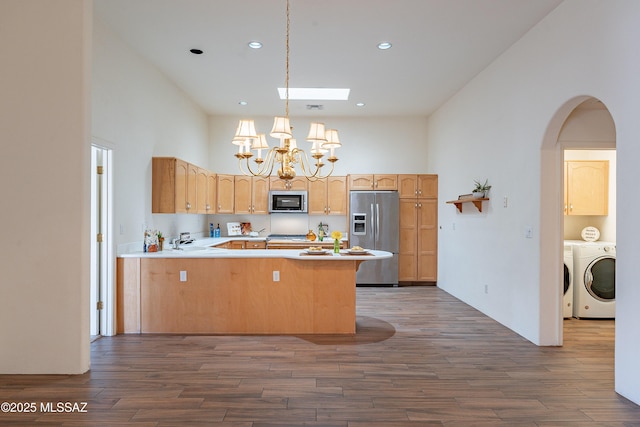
point(481, 190)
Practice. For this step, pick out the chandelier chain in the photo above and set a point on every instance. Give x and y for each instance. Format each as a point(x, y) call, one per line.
point(286, 78)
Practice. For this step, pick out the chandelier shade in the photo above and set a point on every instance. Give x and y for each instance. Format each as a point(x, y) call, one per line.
point(316, 132)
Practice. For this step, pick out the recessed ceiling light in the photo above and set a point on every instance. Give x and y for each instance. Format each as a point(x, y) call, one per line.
point(196, 51)
point(360, 104)
point(255, 45)
point(243, 102)
point(384, 45)
point(315, 93)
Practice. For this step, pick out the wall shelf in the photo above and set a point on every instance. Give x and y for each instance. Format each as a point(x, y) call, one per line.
point(476, 202)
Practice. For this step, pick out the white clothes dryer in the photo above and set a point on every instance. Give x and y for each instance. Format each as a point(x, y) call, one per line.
point(594, 291)
point(567, 299)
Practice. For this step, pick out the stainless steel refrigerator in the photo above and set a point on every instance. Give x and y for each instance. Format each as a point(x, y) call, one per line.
point(375, 224)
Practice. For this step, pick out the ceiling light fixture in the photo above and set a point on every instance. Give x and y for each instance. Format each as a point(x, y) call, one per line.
point(255, 45)
point(384, 45)
point(286, 154)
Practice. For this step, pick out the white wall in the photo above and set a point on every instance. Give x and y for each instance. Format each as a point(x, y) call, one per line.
point(142, 114)
point(501, 126)
point(45, 138)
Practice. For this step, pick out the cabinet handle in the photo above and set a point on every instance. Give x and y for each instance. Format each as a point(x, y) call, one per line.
point(219, 207)
point(188, 205)
point(329, 209)
point(570, 207)
point(208, 207)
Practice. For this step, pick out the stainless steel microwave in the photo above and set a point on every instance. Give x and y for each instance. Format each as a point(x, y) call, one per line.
point(288, 201)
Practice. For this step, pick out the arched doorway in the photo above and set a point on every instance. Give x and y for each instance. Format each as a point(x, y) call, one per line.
point(552, 194)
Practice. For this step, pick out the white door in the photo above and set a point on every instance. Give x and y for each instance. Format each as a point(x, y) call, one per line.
point(100, 235)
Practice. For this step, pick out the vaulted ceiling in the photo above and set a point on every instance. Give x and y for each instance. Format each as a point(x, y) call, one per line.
point(437, 47)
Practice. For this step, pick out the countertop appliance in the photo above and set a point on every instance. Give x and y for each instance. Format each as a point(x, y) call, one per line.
point(375, 224)
point(283, 201)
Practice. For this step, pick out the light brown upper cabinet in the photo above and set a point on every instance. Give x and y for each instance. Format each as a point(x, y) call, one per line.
point(251, 195)
point(225, 194)
point(586, 187)
point(412, 186)
point(373, 182)
point(299, 183)
point(173, 186)
point(328, 196)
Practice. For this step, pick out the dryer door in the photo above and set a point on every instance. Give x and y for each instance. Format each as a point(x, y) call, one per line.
point(567, 278)
point(600, 278)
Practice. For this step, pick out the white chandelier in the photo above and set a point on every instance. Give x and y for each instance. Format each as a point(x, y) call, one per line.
point(286, 154)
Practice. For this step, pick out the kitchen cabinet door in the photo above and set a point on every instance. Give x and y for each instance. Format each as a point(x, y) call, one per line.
point(169, 183)
point(317, 204)
point(201, 190)
point(299, 183)
point(242, 194)
point(211, 192)
point(408, 186)
point(260, 196)
point(225, 194)
point(337, 195)
point(192, 186)
point(408, 243)
point(587, 187)
point(427, 186)
point(427, 242)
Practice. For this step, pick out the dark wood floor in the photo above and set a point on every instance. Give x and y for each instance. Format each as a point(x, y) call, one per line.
point(420, 358)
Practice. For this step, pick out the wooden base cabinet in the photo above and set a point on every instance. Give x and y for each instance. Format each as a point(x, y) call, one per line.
point(236, 296)
point(418, 251)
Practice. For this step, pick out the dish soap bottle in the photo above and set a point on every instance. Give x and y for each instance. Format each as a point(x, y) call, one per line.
point(216, 232)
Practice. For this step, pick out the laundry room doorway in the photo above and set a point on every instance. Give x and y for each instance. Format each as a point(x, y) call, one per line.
point(581, 134)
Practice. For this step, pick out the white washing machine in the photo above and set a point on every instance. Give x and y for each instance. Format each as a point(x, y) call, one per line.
point(594, 290)
point(567, 299)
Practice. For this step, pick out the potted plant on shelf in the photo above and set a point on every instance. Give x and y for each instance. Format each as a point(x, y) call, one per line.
point(481, 190)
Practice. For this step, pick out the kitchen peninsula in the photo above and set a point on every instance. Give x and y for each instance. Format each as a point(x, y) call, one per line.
point(202, 289)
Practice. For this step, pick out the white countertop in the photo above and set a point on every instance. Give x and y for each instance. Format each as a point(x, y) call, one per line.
point(202, 248)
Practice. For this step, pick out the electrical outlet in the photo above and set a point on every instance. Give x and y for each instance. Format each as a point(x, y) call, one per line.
point(183, 276)
point(486, 289)
point(505, 201)
point(276, 276)
point(528, 232)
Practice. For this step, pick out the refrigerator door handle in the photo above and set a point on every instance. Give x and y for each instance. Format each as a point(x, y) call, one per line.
point(377, 222)
point(371, 216)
